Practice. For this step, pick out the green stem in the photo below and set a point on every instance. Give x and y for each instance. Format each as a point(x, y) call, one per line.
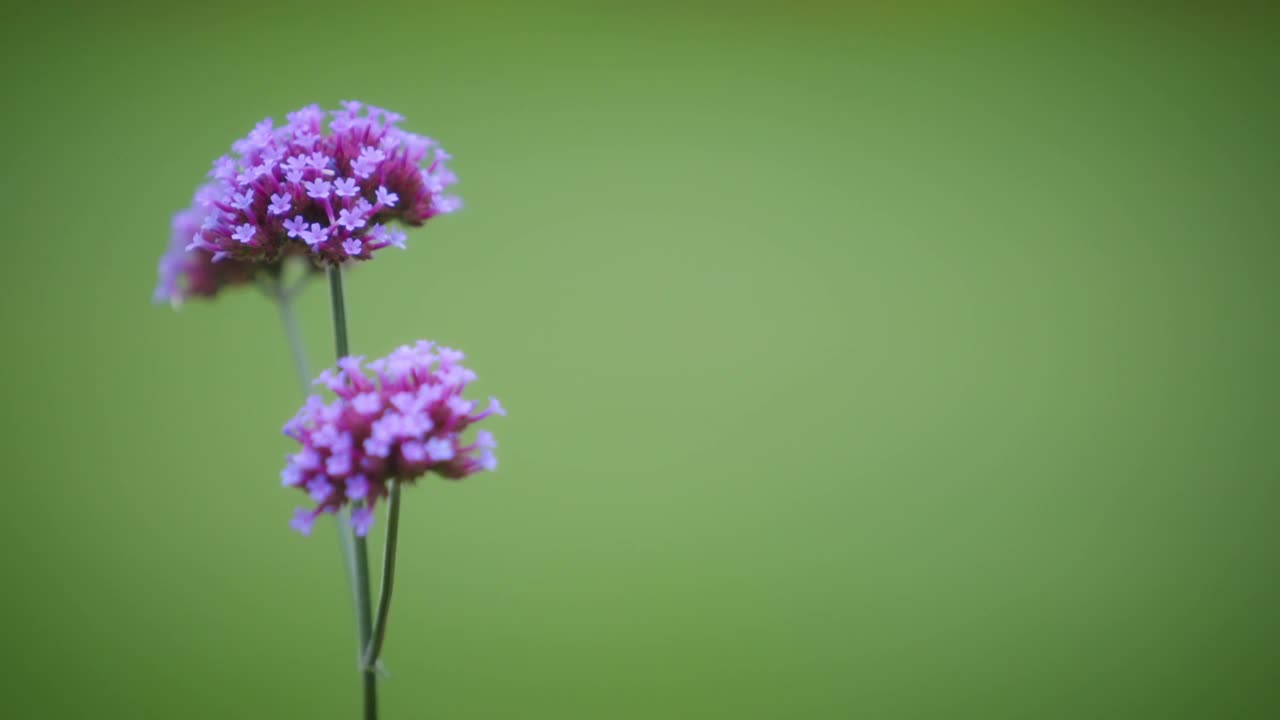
point(364, 623)
point(388, 576)
point(339, 312)
point(284, 299)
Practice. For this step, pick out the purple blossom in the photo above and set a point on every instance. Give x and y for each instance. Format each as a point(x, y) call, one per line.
point(352, 247)
point(244, 233)
point(439, 449)
point(224, 168)
point(306, 459)
point(315, 235)
point(361, 520)
point(303, 520)
point(366, 403)
point(346, 187)
point(295, 227)
point(297, 162)
point(291, 476)
point(367, 162)
point(242, 200)
point(404, 422)
point(495, 408)
point(319, 489)
point(350, 220)
point(357, 487)
point(387, 116)
point(261, 133)
point(338, 465)
point(280, 204)
point(446, 204)
point(318, 189)
point(385, 197)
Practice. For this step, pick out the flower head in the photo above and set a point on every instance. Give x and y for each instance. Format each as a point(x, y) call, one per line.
point(404, 422)
point(351, 181)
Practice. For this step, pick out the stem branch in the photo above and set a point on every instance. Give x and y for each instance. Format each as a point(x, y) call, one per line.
point(388, 576)
point(284, 301)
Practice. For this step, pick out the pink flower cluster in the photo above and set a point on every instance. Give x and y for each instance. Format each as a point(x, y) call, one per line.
point(406, 422)
point(330, 195)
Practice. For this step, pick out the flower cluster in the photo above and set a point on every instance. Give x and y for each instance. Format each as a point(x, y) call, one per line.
point(185, 274)
point(330, 195)
point(406, 423)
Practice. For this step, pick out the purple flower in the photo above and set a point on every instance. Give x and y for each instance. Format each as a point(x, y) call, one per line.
point(350, 220)
point(297, 162)
point(439, 449)
point(346, 187)
point(224, 168)
point(357, 487)
point(303, 520)
point(291, 476)
point(295, 227)
point(406, 421)
point(316, 174)
point(319, 488)
point(318, 189)
point(242, 201)
point(366, 403)
point(314, 236)
point(365, 165)
point(446, 204)
point(280, 204)
point(385, 197)
point(244, 233)
point(362, 519)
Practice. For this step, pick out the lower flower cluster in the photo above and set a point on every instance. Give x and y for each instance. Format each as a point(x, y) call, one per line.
point(404, 422)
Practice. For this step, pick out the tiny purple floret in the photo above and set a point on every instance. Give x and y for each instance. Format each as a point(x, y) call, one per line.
point(244, 233)
point(280, 204)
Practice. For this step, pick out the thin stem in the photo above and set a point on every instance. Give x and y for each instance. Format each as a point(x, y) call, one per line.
point(388, 576)
point(284, 300)
point(339, 312)
point(364, 623)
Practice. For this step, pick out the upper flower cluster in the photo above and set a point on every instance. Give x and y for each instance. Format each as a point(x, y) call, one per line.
point(331, 194)
point(184, 273)
point(403, 425)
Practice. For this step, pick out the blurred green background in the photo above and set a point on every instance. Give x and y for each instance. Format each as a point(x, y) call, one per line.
point(861, 362)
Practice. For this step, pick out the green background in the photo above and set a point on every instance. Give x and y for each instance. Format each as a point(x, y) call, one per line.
point(861, 362)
